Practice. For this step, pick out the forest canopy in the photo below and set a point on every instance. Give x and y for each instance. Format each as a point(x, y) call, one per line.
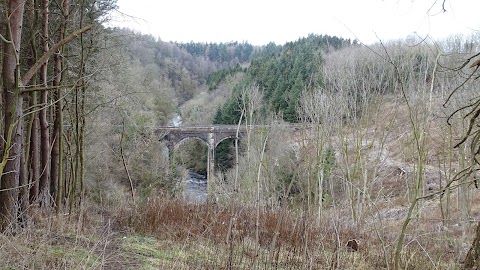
point(283, 73)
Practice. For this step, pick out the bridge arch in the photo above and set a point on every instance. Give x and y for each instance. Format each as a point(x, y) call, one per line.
point(183, 140)
point(226, 138)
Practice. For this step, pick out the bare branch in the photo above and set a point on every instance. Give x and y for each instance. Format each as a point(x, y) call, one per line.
point(42, 60)
point(47, 88)
point(462, 84)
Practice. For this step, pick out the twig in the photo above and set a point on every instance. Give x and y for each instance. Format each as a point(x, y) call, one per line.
point(125, 163)
point(46, 88)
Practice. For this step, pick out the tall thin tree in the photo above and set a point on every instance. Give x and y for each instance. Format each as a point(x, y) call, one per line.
point(57, 156)
point(44, 129)
point(10, 165)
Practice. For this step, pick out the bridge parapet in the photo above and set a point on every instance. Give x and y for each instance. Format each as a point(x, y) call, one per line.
point(211, 135)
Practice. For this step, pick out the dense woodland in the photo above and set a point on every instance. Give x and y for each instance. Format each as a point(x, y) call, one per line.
point(372, 145)
point(283, 72)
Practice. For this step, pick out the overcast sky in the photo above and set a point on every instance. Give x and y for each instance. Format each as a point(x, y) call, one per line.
point(262, 21)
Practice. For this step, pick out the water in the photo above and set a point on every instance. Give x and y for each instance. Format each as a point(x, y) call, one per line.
point(195, 188)
point(176, 120)
point(195, 184)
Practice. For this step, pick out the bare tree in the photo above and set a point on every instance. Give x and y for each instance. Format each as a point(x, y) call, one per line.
point(470, 113)
point(56, 187)
point(19, 164)
point(44, 127)
point(10, 165)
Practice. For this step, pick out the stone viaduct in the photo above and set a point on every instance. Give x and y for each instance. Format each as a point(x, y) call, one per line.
point(210, 135)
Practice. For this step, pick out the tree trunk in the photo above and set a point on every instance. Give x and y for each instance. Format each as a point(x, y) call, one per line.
point(34, 154)
point(56, 140)
point(57, 157)
point(44, 132)
point(33, 160)
point(13, 111)
point(24, 192)
point(472, 260)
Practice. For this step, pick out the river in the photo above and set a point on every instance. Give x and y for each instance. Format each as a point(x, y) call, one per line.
point(195, 185)
point(195, 188)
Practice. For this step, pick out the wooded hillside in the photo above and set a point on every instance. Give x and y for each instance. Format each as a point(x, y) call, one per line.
point(361, 157)
point(71, 87)
point(283, 73)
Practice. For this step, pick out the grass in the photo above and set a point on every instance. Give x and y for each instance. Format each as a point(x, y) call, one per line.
point(36, 248)
point(173, 234)
point(185, 235)
point(150, 252)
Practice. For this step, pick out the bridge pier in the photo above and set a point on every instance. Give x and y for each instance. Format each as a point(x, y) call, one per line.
point(170, 157)
point(210, 167)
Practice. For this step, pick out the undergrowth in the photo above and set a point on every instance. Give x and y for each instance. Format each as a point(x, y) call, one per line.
point(288, 239)
point(164, 233)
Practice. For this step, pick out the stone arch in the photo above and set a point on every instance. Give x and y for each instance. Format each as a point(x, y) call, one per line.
point(182, 140)
point(226, 138)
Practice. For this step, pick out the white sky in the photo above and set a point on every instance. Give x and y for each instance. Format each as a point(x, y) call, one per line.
point(262, 21)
